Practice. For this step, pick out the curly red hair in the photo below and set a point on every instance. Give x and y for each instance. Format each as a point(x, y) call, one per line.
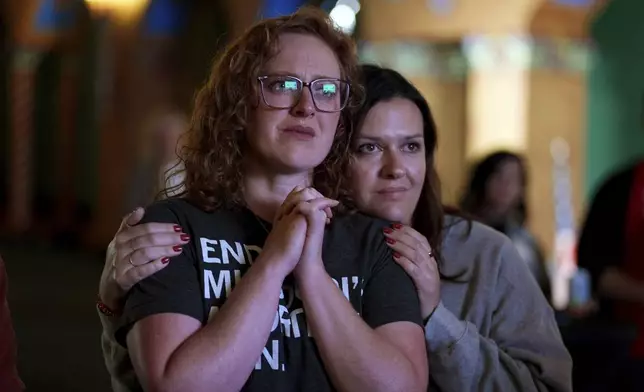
point(216, 139)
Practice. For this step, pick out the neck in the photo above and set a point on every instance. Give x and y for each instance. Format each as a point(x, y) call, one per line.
point(265, 190)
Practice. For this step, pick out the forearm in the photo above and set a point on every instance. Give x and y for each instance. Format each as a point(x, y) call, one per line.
point(615, 284)
point(464, 360)
point(112, 351)
point(117, 360)
point(221, 355)
point(109, 292)
point(354, 355)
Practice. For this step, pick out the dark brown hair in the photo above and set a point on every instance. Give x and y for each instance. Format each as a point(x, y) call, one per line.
point(475, 197)
point(216, 139)
point(383, 84)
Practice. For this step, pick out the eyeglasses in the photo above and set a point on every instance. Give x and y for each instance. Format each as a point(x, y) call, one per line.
point(285, 92)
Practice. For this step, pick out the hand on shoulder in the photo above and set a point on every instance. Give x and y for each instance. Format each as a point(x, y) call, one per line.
point(136, 252)
point(414, 254)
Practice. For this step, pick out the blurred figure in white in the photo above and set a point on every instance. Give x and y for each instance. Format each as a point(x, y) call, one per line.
point(157, 165)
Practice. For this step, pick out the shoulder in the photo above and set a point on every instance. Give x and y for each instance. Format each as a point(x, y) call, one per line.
point(471, 247)
point(623, 174)
point(622, 179)
point(358, 224)
point(357, 238)
point(177, 204)
point(475, 252)
point(463, 236)
point(172, 209)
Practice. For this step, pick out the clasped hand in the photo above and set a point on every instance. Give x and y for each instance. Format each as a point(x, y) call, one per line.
point(295, 243)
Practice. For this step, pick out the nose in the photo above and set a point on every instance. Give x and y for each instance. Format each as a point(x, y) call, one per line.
point(305, 106)
point(392, 167)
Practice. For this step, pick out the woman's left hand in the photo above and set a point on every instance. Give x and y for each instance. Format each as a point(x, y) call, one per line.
point(414, 254)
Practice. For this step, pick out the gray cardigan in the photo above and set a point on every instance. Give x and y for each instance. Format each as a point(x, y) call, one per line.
point(492, 331)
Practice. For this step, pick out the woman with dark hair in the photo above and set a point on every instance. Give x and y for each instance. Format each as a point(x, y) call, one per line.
point(246, 290)
point(487, 326)
point(495, 195)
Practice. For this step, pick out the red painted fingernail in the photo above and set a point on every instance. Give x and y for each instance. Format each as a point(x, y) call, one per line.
point(390, 240)
point(177, 229)
point(176, 248)
point(185, 237)
point(165, 260)
point(387, 230)
point(397, 226)
point(396, 255)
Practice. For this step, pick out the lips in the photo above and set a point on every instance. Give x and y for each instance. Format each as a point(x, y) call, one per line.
point(300, 131)
point(392, 190)
point(393, 193)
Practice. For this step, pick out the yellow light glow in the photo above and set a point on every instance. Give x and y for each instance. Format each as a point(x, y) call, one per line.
point(497, 111)
point(122, 10)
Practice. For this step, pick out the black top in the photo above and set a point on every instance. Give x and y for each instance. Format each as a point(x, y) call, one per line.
point(223, 246)
point(601, 244)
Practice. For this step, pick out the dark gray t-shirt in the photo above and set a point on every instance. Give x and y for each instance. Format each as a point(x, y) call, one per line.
point(224, 245)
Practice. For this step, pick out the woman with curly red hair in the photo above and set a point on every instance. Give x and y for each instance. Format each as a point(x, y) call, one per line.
point(270, 135)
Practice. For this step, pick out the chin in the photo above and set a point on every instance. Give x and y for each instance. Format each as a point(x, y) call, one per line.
point(296, 163)
point(390, 212)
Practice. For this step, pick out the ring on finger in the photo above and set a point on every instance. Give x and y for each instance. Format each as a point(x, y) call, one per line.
point(430, 253)
point(130, 261)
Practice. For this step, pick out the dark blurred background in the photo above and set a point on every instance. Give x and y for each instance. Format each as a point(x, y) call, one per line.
point(94, 94)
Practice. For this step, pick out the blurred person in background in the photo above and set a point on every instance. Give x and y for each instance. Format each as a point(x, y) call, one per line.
point(495, 195)
point(9, 379)
point(611, 248)
point(487, 325)
point(157, 164)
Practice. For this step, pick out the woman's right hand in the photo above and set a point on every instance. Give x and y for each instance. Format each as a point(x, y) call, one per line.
point(135, 253)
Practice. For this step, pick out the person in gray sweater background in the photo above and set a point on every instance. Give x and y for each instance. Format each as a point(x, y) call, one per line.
point(488, 327)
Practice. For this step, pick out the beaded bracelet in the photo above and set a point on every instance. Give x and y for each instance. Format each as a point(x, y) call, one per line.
point(105, 309)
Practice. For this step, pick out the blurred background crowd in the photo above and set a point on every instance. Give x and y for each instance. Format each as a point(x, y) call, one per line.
point(538, 104)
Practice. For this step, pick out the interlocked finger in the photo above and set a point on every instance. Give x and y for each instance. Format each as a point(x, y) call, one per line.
point(316, 205)
point(298, 195)
point(288, 204)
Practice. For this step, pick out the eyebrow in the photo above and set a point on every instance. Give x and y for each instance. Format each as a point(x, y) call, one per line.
point(287, 73)
point(376, 139)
